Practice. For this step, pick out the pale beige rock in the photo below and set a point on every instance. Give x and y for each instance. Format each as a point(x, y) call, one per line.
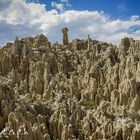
point(84, 89)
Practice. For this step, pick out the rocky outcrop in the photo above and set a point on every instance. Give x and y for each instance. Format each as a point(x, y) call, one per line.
point(65, 36)
point(82, 90)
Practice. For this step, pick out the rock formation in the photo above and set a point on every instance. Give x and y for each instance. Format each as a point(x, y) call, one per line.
point(89, 90)
point(65, 36)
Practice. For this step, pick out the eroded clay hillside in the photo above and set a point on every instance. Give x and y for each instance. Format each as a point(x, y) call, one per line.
point(82, 90)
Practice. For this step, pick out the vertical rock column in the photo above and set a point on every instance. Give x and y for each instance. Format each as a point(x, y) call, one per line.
point(65, 36)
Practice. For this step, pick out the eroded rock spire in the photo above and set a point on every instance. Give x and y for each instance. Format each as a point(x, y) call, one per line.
point(65, 40)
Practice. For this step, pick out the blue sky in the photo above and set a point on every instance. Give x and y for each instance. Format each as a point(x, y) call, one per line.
point(114, 8)
point(105, 20)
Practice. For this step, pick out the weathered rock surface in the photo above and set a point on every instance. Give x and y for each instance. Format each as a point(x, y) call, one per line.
point(83, 90)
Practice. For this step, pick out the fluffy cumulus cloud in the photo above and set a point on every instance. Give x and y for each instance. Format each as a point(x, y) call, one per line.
point(134, 17)
point(61, 7)
point(66, 2)
point(19, 18)
point(58, 6)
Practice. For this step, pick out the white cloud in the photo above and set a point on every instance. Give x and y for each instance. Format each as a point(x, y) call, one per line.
point(25, 19)
point(58, 6)
point(36, 1)
point(61, 6)
point(134, 17)
point(65, 1)
point(19, 12)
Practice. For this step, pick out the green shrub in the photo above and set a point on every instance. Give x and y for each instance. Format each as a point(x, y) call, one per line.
point(87, 103)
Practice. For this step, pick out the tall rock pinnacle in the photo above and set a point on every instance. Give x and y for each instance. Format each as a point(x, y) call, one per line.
point(65, 36)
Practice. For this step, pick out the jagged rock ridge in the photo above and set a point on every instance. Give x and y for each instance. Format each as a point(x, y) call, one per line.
point(82, 90)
